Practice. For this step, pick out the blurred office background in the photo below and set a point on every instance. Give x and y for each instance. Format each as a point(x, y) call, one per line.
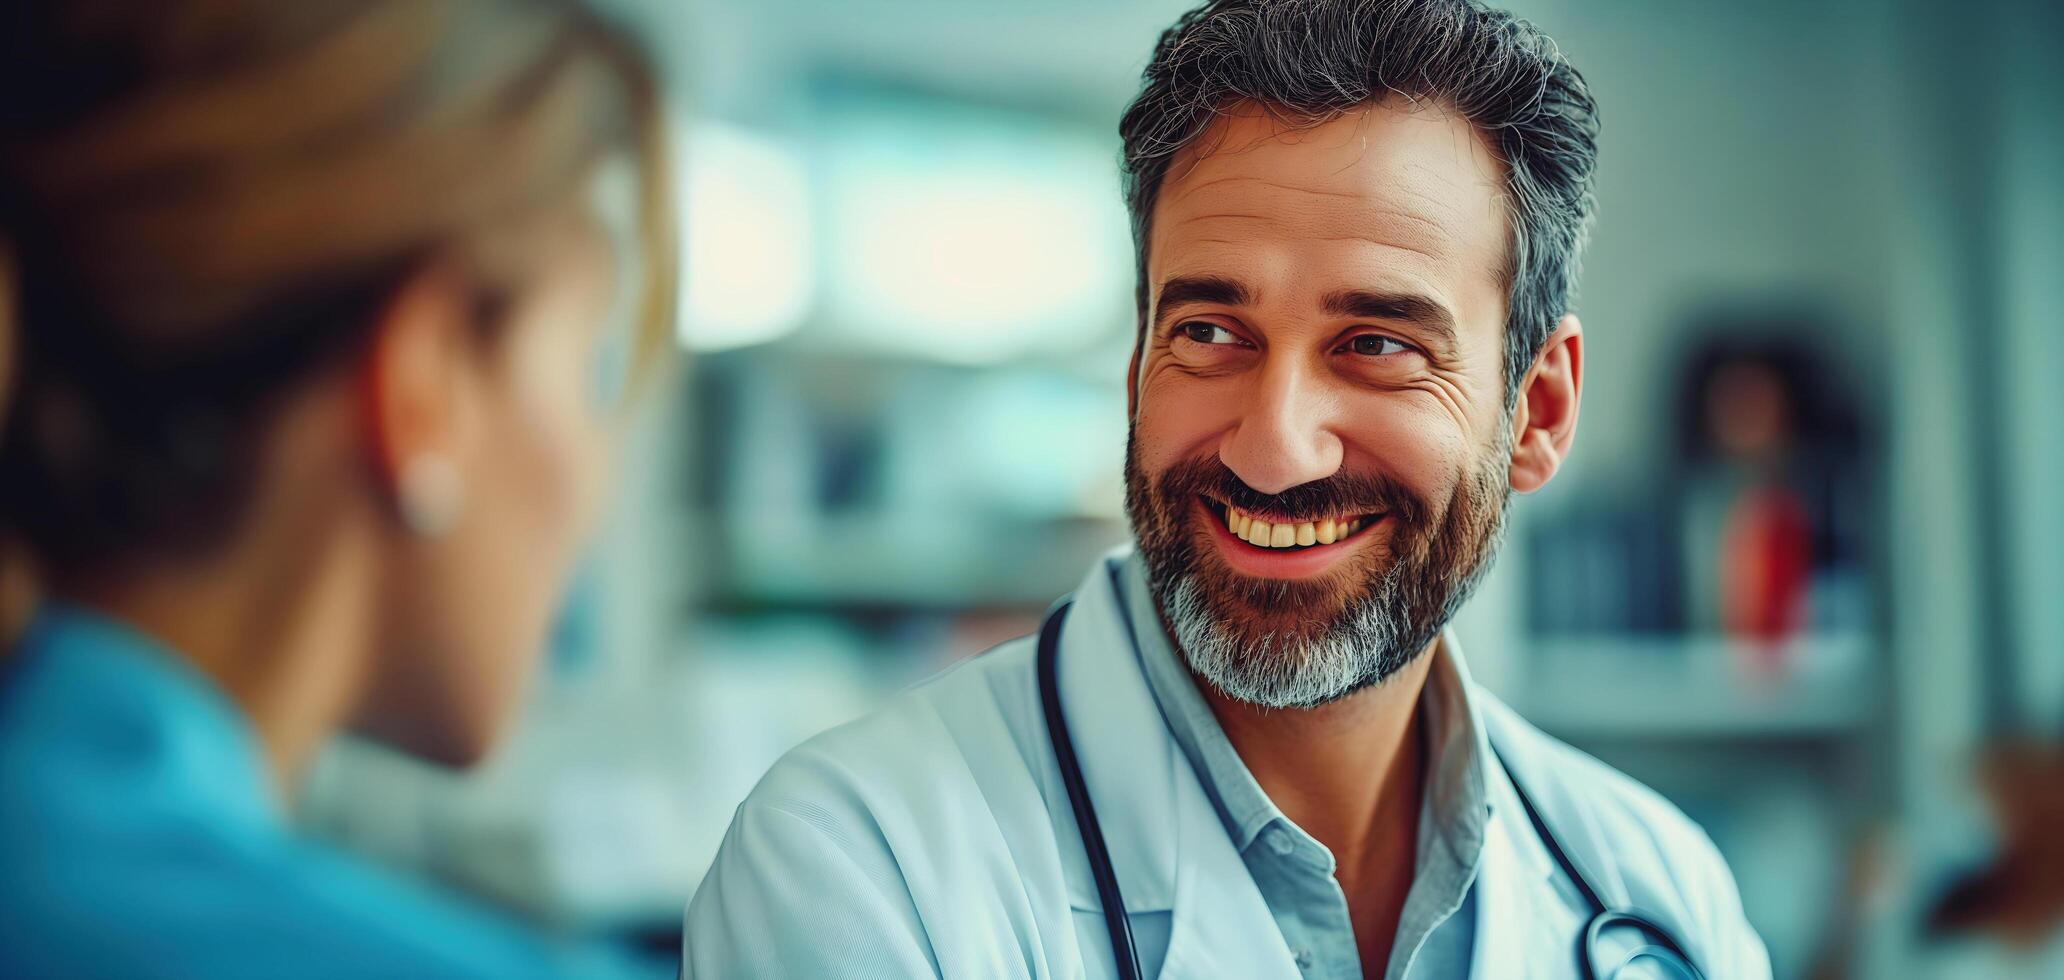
point(1801, 575)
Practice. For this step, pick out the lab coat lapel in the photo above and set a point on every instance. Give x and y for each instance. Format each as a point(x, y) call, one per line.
point(1222, 926)
point(1128, 758)
point(1525, 926)
point(1528, 920)
point(1168, 845)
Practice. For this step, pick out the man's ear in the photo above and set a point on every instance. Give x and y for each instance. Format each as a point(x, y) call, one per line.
point(418, 392)
point(1544, 416)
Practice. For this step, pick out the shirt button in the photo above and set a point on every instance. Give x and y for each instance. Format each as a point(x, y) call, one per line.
point(1304, 959)
point(1279, 841)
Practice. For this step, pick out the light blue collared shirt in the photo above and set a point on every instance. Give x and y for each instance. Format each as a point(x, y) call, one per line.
point(1436, 931)
point(139, 839)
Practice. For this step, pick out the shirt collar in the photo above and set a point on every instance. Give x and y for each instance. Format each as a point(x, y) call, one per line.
point(1456, 805)
point(97, 685)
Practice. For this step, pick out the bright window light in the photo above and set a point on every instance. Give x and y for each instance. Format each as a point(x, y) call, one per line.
point(748, 267)
point(967, 235)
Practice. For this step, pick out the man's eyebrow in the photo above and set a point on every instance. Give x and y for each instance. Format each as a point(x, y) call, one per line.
point(1191, 290)
point(1426, 313)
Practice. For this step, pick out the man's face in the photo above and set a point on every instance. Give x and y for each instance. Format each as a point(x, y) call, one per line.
point(1324, 356)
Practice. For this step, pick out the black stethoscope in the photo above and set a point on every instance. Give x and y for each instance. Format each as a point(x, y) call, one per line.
point(1619, 943)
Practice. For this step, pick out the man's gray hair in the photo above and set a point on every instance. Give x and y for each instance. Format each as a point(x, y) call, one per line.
point(1312, 60)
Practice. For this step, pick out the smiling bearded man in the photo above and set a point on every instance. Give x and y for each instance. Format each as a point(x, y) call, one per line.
point(1297, 642)
point(1250, 748)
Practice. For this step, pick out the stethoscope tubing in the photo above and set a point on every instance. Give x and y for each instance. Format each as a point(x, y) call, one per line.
point(1124, 951)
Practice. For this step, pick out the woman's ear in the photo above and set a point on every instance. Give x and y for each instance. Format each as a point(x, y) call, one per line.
point(1544, 416)
point(419, 394)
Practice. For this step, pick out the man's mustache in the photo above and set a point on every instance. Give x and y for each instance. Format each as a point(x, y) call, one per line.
point(1341, 493)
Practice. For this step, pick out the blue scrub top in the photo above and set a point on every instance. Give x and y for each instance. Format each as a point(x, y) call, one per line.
point(138, 838)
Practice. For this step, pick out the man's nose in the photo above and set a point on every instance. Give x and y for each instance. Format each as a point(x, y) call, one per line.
point(1286, 432)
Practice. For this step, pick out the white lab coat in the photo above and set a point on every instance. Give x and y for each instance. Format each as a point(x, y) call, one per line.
point(934, 838)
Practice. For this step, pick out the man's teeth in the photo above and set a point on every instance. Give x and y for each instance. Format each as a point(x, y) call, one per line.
point(1258, 532)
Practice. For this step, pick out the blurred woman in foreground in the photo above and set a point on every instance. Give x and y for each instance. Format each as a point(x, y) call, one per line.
point(325, 313)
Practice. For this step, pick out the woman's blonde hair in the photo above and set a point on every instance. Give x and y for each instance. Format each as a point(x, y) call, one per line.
point(209, 200)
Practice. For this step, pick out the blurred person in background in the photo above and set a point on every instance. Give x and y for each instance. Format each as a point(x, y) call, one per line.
point(1250, 748)
point(1769, 452)
point(326, 313)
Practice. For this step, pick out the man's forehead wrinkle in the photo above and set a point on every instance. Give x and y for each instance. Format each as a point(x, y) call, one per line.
point(1434, 226)
point(1224, 215)
point(1200, 185)
point(1352, 195)
point(1266, 182)
point(1263, 181)
point(1415, 190)
point(1427, 251)
point(1427, 171)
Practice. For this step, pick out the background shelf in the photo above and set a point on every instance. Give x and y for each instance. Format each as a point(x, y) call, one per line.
point(1594, 686)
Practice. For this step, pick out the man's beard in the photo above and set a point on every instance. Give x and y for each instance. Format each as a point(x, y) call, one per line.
point(1300, 643)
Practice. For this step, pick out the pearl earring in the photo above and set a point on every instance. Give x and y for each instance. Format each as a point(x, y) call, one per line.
point(432, 494)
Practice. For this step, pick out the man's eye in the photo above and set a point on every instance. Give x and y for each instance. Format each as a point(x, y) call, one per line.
point(1205, 332)
point(1377, 345)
